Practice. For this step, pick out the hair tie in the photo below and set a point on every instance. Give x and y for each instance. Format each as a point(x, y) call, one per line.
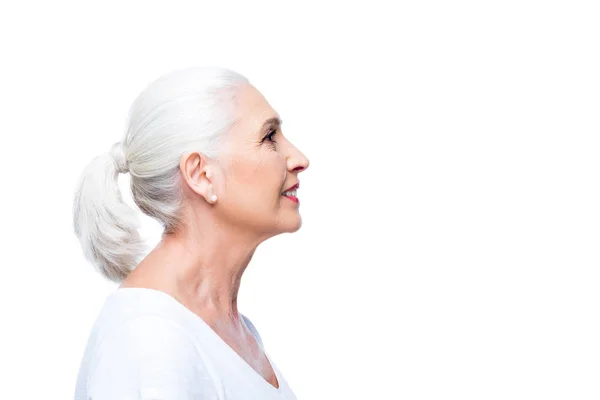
point(117, 152)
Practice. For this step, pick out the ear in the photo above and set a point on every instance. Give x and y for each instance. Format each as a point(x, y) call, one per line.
point(196, 173)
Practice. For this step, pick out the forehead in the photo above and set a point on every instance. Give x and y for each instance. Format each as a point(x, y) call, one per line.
point(253, 110)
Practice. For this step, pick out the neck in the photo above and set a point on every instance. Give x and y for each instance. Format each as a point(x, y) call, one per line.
point(203, 271)
point(207, 270)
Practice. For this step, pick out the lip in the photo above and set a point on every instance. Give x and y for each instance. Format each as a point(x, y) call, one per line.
point(296, 186)
point(292, 198)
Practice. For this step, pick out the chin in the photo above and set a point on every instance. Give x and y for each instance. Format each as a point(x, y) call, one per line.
point(290, 226)
point(296, 226)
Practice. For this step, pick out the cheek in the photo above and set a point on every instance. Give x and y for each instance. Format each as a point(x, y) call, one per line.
point(258, 180)
point(271, 179)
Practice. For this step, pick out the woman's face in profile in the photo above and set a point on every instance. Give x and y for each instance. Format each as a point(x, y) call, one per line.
point(259, 164)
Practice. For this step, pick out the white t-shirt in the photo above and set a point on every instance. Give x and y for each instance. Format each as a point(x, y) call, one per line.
point(146, 345)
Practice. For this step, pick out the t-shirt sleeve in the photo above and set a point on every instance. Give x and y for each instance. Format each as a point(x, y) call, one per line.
point(147, 358)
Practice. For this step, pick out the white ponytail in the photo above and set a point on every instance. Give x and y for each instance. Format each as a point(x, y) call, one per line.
point(186, 110)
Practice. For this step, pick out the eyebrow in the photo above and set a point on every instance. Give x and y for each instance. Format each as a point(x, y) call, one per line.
point(272, 121)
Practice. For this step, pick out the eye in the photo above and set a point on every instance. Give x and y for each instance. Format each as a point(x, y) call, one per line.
point(269, 137)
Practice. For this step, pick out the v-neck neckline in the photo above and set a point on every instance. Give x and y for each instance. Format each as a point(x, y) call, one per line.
point(218, 338)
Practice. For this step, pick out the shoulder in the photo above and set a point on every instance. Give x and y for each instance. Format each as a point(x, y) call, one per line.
point(147, 353)
point(142, 330)
point(149, 338)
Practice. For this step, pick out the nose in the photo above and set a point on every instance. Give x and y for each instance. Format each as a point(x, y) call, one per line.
point(296, 161)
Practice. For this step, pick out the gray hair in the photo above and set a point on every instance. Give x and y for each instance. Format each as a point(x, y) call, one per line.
point(189, 109)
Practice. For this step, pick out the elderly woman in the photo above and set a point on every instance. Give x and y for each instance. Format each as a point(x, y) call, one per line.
point(208, 160)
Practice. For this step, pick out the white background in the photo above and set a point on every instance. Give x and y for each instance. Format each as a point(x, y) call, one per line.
point(451, 224)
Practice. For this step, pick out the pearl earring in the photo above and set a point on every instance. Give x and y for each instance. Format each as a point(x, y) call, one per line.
point(213, 198)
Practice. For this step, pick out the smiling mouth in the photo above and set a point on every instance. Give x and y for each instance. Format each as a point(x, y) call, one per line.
point(291, 193)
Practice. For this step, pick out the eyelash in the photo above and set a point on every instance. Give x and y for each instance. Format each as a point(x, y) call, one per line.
point(269, 137)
